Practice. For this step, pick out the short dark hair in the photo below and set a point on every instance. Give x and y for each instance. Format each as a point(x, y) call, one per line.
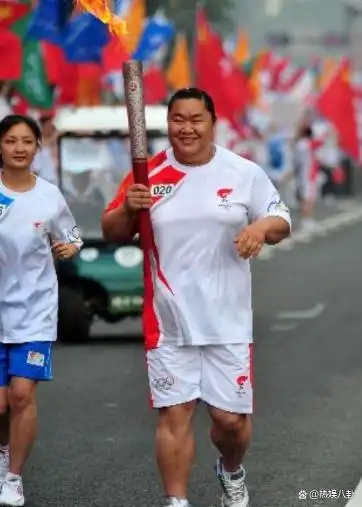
point(11, 120)
point(194, 93)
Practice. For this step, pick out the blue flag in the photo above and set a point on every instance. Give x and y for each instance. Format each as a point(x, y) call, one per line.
point(65, 10)
point(84, 38)
point(45, 24)
point(158, 33)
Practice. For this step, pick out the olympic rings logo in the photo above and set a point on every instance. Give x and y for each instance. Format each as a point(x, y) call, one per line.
point(163, 383)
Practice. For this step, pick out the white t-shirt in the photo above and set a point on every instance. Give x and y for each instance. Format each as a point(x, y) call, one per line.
point(197, 288)
point(28, 281)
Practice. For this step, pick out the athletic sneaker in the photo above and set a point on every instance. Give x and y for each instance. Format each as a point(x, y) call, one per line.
point(234, 490)
point(175, 502)
point(4, 463)
point(12, 493)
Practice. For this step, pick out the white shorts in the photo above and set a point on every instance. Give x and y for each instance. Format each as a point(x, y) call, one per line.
point(219, 375)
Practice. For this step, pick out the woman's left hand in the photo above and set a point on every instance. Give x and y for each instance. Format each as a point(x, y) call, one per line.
point(64, 251)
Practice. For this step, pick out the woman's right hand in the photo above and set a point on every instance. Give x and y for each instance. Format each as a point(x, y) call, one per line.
point(138, 197)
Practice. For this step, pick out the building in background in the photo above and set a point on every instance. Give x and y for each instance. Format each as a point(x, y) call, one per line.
point(301, 29)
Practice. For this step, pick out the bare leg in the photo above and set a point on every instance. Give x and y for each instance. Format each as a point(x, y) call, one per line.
point(175, 448)
point(23, 423)
point(231, 435)
point(4, 418)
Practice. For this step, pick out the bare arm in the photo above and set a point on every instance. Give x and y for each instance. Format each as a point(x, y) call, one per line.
point(275, 228)
point(119, 225)
point(119, 220)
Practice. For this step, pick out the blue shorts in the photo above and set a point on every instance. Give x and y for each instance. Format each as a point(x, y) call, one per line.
point(32, 360)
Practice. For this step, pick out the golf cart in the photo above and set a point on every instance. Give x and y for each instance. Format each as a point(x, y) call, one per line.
point(104, 281)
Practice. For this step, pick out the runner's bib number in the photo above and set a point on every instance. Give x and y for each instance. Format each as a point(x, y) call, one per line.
point(161, 190)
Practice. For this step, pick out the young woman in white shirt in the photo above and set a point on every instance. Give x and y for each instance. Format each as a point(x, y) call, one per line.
point(35, 225)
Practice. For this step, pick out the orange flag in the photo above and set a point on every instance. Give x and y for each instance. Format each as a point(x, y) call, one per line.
point(135, 22)
point(242, 49)
point(178, 74)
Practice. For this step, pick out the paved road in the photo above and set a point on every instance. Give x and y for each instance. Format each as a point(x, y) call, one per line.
point(96, 434)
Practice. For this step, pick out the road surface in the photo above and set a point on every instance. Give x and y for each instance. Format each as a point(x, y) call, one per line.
point(95, 443)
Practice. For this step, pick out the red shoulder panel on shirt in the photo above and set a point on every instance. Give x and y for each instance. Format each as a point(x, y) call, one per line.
point(157, 160)
point(119, 199)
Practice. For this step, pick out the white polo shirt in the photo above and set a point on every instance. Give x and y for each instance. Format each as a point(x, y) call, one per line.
point(197, 288)
point(28, 281)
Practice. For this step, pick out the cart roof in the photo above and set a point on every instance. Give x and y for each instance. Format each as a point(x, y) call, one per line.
point(107, 119)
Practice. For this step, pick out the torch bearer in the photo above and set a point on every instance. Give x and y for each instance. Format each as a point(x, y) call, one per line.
point(133, 87)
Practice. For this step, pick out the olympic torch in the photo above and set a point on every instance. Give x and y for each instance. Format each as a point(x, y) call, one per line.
point(133, 87)
point(133, 81)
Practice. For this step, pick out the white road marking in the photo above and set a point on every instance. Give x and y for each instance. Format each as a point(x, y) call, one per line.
point(326, 226)
point(312, 313)
point(287, 244)
point(356, 500)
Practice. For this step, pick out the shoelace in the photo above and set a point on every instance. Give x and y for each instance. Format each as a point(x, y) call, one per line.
point(234, 490)
point(17, 485)
point(4, 458)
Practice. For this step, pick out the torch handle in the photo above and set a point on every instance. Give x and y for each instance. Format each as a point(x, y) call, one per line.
point(133, 87)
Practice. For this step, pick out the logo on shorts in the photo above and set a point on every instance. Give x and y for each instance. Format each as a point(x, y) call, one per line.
point(163, 383)
point(241, 383)
point(223, 195)
point(35, 359)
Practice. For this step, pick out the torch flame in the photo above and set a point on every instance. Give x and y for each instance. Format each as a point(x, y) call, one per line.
point(100, 9)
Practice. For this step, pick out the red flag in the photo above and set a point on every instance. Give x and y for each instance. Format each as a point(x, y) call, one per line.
point(67, 86)
point(11, 55)
point(277, 68)
point(79, 84)
point(336, 104)
point(54, 62)
point(10, 12)
point(19, 104)
point(155, 86)
point(217, 73)
point(89, 84)
point(114, 55)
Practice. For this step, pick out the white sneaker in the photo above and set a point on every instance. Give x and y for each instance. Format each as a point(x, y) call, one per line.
point(12, 493)
point(175, 502)
point(234, 490)
point(4, 463)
